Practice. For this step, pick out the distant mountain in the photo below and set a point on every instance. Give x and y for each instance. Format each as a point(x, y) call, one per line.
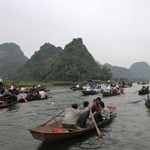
point(73, 63)
point(120, 72)
point(36, 68)
point(11, 58)
point(141, 70)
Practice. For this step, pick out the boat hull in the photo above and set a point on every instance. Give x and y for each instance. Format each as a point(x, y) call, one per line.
point(46, 133)
point(110, 94)
point(89, 92)
point(143, 92)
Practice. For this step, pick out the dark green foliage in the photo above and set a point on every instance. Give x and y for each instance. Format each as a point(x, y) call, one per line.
point(36, 68)
point(11, 58)
point(75, 63)
point(72, 64)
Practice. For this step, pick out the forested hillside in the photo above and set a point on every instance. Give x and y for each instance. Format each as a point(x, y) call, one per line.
point(121, 73)
point(73, 63)
point(36, 68)
point(11, 57)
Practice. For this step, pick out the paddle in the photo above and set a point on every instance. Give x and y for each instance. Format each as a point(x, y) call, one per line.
point(51, 118)
point(98, 130)
point(138, 101)
point(25, 100)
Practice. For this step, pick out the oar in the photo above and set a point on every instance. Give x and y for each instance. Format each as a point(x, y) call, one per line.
point(25, 100)
point(138, 101)
point(98, 130)
point(51, 118)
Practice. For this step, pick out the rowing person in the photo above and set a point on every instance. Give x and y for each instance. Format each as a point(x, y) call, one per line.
point(71, 115)
point(82, 119)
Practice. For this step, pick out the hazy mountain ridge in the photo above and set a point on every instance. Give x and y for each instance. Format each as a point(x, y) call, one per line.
point(141, 69)
point(137, 71)
point(74, 62)
point(121, 72)
point(11, 58)
point(36, 67)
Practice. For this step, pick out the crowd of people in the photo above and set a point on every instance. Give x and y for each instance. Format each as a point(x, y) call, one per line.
point(145, 88)
point(23, 92)
point(80, 117)
point(111, 89)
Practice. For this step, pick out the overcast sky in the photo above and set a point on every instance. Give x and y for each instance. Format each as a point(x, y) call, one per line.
point(114, 31)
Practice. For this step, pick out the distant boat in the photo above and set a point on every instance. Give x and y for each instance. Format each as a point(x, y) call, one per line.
point(4, 103)
point(144, 91)
point(110, 94)
point(91, 92)
point(147, 103)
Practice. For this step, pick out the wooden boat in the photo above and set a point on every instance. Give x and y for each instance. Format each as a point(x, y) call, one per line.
point(109, 94)
point(55, 132)
point(21, 99)
point(92, 92)
point(4, 103)
point(147, 103)
point(143, 92)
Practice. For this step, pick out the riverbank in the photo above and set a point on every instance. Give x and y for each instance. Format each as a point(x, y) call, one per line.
point(53, 83)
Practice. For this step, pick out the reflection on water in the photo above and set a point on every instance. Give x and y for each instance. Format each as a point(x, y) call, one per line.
point(73, 143)
point(129, 129)
point(13, 108)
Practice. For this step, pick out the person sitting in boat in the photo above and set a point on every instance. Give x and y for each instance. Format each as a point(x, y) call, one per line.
point(94, 106)
point(143, 88)
point(104, 111)
point(1, 82)
point(2, 90)
point(108, 88)
point(71, 115)
point(82, 119)
point(12, 98)
point(98, 100)
point(147, 88)
point(42, 94)
point(148, 97)
point(29, 96)
point(102, 114)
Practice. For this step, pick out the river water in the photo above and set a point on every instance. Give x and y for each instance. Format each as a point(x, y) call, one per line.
point(128, 131)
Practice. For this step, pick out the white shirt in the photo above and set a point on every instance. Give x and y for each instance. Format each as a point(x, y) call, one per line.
point(42, 93)
point(72, 115)
point(105, 113)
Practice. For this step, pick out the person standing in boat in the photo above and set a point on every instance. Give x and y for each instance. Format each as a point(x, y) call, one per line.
point(71, 115)
point(38, 87)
